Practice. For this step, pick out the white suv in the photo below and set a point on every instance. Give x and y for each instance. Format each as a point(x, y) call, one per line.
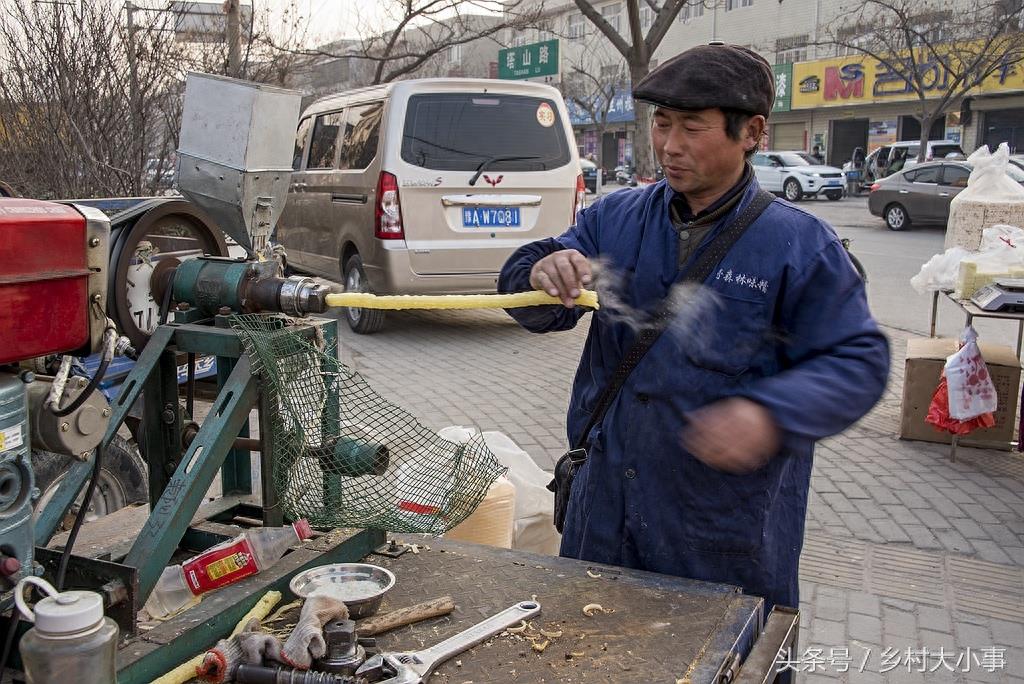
point(796, 175)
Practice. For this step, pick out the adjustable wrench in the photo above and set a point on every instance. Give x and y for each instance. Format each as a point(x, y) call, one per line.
point(415, 667)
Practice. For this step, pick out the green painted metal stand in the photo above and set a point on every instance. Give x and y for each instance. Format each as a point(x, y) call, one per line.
point(180, 478)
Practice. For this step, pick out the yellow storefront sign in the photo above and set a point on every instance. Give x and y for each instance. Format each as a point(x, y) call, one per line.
point(859, 79)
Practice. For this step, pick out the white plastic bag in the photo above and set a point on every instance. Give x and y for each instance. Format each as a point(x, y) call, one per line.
point(988, 181)
point(971, 390)
point(534, 504)
point(991, 197)
point(1001, 256)
point(941, 271)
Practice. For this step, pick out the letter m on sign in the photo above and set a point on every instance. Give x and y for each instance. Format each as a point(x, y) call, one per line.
point(837, 87)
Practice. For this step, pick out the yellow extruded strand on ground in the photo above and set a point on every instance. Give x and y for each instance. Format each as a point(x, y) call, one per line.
point(186, 672)
point(363, 300)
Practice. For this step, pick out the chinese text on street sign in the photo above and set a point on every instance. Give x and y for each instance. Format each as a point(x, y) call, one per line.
point(527, 61)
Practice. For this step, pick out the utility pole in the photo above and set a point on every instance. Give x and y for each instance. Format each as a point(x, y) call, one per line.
point(134, 115)
point(234, 37)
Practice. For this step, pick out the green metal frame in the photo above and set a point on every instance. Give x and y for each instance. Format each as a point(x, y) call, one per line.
point(178, 481)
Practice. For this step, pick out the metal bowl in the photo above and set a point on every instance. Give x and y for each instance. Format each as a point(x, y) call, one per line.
point(360, 585)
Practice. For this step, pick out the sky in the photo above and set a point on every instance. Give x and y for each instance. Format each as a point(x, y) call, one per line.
point(325, 20)
point(334, 19)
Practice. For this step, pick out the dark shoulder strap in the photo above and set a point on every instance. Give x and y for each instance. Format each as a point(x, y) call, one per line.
point(707, 262)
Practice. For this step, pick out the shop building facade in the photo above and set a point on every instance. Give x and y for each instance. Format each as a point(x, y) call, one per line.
point(837, 103)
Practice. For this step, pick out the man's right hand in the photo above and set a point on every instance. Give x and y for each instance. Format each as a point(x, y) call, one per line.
point(562, 275)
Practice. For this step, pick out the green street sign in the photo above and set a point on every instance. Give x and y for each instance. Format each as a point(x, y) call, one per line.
point(527, 61)
point(783, 87)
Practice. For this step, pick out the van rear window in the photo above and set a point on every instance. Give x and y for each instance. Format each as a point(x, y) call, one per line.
point(941, 151)
point(459, 131)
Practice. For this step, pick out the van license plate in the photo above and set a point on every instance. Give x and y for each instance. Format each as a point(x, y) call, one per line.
point(490, 217)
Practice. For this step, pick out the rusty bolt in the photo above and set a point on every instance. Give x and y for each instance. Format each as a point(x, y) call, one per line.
point(106, 412)
point(64, 427)
point(224, 310)
point(98, 298)
point(94, 242)
point(84, 456)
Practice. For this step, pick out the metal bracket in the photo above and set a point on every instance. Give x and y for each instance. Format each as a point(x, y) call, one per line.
point(117, 583)
point(391, 550)
point(781, 630)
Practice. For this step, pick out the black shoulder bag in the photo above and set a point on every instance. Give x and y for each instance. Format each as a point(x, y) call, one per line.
point(571, 462)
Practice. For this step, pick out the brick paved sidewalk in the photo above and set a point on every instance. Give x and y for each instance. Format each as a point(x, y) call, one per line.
point(904, 549)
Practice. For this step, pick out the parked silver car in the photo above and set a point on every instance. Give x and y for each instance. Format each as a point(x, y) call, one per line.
point(921, 195)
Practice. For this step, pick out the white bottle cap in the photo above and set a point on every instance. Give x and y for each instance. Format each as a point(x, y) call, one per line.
point(69, 612)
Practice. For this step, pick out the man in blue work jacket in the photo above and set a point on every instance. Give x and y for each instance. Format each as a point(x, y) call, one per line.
point(702, 463)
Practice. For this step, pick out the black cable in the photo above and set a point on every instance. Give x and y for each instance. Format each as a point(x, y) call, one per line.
point(12, 629)
point(79, 519)
point(165, 305)
point(97, 377)
point(190, 386)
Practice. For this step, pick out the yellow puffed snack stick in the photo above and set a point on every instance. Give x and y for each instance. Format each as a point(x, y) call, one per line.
point(186, 672)
point(361, 300)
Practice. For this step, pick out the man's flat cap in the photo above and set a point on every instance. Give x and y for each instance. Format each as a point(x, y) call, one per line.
point(710, 76)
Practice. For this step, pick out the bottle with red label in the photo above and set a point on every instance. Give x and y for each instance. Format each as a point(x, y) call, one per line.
point(247, 554)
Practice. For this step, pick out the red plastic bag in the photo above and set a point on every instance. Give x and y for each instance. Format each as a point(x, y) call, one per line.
point(938, 414)
point(968, 383)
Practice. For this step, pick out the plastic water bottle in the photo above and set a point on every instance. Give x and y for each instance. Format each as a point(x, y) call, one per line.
point(226, 563)
point(71, 641)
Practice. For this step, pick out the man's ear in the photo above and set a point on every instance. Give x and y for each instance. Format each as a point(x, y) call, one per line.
point(754, 131)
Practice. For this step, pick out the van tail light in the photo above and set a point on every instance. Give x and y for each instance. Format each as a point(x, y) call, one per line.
point(580, 200)
point(388, 212)
point(874, 186)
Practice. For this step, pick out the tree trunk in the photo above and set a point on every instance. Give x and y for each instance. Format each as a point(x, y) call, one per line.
point(643, 154)
point(926, 127)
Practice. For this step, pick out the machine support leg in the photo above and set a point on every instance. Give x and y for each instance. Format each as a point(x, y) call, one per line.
point(236, 473)
point(273, 516)
point(187, 488)
point(161, 441)
point(331, 416)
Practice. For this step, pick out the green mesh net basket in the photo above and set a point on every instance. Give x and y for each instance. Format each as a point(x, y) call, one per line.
point(346, 457)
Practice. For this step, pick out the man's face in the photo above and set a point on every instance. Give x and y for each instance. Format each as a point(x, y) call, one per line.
point(695, 151)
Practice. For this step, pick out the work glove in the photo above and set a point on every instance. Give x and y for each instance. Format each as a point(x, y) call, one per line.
point(250, 646)
point(306, 642)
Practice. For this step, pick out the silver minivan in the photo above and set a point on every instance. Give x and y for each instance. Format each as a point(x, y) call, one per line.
point(427, 186)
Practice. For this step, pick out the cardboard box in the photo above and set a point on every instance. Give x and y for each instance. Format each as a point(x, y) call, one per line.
point(925, 358)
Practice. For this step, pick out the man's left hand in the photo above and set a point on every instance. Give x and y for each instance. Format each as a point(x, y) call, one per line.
point(733, 435)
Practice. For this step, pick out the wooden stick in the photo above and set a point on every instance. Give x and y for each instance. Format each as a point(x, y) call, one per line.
point(378, 624)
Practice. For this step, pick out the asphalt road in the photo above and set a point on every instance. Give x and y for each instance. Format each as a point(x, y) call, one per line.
point(891, 259)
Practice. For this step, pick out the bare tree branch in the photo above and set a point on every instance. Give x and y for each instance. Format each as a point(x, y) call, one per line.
point(90, 103)
point(924, 44)
point(637, 52)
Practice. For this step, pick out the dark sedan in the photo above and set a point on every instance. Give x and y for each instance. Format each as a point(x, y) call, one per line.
point(921, 194)
point(589, 170)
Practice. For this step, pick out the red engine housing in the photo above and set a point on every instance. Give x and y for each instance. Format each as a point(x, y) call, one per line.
point(47, 265)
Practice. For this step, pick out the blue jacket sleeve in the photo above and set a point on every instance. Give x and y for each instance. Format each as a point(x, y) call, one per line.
point(515, 274)
point(835, 358)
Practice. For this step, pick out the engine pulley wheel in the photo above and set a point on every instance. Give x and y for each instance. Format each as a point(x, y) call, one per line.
point(170, 232)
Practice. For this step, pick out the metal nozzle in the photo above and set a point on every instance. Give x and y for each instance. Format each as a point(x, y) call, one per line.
point(300, 296)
